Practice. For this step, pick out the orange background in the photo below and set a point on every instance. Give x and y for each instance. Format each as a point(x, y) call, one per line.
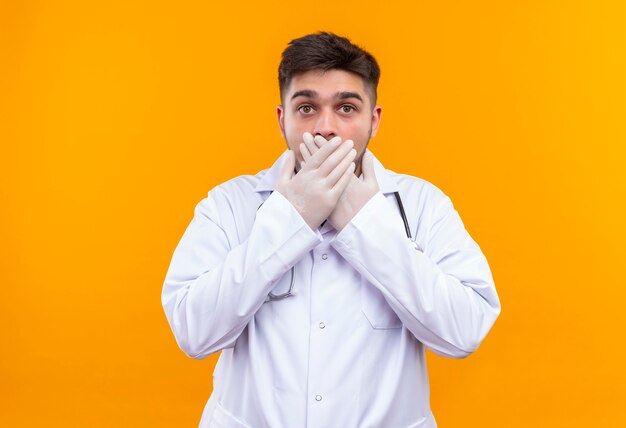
point(117, 118)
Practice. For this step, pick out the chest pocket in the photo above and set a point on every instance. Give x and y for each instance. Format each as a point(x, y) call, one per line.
point(376, 309)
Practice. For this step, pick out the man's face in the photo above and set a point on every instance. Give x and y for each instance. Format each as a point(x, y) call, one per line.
point(331, 103)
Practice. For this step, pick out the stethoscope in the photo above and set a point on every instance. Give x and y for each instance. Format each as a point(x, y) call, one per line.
point(271, 296)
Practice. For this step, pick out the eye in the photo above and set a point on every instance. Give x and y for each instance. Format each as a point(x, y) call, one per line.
point(347, 108)
point(306, 109)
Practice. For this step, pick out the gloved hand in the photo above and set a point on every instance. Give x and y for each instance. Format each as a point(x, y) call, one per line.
point(316, 188)
point(357, 193)
point(309, 147)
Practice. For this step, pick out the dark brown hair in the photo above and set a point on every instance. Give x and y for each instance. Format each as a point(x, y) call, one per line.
point(326, 51)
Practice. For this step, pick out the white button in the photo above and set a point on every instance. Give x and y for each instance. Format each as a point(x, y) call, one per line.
point(318, 398)
point(322, 325)
point(324, 256)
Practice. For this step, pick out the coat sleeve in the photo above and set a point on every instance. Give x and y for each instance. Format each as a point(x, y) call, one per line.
point(445, 296)
point(213, 289)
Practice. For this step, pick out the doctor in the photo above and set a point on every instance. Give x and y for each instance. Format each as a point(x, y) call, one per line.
point(323, 279)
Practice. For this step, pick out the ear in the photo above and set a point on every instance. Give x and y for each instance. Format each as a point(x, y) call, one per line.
point(280, 115)
point(376, 115)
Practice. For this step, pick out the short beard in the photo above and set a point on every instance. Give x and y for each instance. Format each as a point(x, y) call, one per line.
point(359, 161)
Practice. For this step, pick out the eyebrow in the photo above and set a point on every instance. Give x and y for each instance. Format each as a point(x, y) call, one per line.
point(305, 93)
point(342, 95)
point(347, 94)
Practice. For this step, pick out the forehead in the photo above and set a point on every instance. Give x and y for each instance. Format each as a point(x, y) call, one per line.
point(326, 83)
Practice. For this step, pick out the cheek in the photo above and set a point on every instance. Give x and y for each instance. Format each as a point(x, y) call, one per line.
point(294, 129)
point(360, 135)
point(293, 136)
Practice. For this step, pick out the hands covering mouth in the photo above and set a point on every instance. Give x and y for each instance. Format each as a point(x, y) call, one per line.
point(325, 187)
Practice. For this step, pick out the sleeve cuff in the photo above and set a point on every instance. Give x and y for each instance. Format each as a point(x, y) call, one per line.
point(284, 235)
point(362, 220)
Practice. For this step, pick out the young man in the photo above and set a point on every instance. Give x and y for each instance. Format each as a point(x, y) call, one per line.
point(318, 288)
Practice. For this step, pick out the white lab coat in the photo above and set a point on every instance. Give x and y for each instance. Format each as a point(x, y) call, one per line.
point(348, 348)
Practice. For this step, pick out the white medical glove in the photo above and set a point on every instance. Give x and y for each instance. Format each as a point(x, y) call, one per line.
point(357, 193)
point(315, 189)
point(309, 146)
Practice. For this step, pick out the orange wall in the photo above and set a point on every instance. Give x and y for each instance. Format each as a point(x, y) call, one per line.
point(116, 119)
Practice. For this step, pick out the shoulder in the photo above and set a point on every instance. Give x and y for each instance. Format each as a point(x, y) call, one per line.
point(232, 195)
point(420, 191)
point(427, 207)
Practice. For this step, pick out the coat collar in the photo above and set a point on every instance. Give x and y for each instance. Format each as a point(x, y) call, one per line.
point(268, 180)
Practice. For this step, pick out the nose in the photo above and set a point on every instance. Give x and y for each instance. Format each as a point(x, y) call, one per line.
point(326, 125)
